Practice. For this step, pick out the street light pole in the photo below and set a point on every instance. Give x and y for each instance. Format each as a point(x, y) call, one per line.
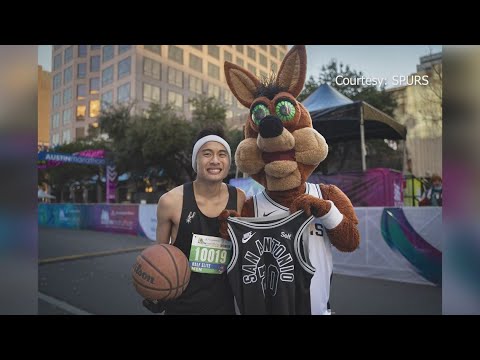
point(362, 138)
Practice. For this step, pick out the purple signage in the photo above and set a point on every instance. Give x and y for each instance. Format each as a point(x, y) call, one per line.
point(99, 154)
point(114, 218)
point(374, 187)
point(111, 183)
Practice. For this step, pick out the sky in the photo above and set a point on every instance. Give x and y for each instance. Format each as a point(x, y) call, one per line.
point(45, 57)
point(379, 61)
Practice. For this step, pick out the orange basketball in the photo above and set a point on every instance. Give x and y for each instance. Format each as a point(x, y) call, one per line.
point(161, 272)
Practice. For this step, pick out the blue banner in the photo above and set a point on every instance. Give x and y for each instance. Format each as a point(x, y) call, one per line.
point(68, 216)
point(68, 158)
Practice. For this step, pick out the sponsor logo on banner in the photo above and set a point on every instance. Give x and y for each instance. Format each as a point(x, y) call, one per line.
point(116, 218)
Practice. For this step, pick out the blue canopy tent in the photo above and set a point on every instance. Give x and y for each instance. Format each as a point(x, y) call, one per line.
point(338, 118)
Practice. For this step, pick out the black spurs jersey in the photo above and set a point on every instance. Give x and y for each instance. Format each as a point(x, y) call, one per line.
point(268, 272)
point(317, 246)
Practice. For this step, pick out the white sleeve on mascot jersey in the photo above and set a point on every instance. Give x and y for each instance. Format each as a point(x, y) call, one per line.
point(320, 257)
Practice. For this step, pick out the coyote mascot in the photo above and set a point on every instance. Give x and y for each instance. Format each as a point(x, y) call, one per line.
point(280, 151)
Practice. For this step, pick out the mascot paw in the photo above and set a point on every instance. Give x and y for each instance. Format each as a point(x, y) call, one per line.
point(311, 205)
point(222, 218)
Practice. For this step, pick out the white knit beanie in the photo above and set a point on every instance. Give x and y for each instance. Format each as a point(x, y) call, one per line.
point(203, 141)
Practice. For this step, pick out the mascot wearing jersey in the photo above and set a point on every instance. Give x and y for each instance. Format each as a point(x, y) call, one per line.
point(280, 151)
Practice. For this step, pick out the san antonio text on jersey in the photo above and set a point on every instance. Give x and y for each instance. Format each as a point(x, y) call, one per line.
point(316, 244)
point(268, 272)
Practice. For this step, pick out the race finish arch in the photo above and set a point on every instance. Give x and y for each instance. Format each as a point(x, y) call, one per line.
point(87, 157)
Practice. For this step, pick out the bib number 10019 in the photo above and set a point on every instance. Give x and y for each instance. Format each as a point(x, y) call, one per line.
point(217, 256)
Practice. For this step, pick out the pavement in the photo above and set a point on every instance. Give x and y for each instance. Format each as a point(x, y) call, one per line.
point(87, 272)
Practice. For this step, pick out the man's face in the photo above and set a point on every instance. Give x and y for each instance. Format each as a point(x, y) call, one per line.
point(212, 162)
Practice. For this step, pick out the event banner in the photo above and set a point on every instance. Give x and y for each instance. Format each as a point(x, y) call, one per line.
point(60, 215)
point(374, 187)
point(68, 158)
point(113, 218)
point(44, 164)
point(400, 244)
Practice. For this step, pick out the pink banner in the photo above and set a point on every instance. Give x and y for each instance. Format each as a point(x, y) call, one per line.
point(374, 187)
point(113, 218)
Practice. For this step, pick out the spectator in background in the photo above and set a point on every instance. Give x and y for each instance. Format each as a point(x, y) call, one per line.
point(433, 196)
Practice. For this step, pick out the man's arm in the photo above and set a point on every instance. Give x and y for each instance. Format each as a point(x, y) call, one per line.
point(164, 219)
point(164, 228)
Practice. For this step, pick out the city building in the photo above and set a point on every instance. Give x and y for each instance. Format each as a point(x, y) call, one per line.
point(44, 91)
point(419, 108)
point(88, 78)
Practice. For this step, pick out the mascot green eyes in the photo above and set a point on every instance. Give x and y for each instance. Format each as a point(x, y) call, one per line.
point(284, 109)
point(259, 112)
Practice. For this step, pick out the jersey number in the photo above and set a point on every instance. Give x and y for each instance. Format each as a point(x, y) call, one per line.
point(269, 279)
point(318, 230)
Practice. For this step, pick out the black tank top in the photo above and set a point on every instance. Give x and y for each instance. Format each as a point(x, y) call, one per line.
point(206, 293)
point(269, 272)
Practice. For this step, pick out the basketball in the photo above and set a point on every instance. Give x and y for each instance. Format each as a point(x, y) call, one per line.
point(161, 272)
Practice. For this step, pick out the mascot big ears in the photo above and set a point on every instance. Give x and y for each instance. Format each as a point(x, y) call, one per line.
point(281, 148)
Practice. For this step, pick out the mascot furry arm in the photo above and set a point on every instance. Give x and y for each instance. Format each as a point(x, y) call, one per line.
point(281, 149)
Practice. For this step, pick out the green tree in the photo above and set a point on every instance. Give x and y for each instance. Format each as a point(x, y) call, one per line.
point(208, 112)
point(310, 86)
point(160, 138)
point(379, 99)
point(332, 70)
point(115, 120)
point(157, 139)
point(124, 138)
point(167, 142)
point(234, 137)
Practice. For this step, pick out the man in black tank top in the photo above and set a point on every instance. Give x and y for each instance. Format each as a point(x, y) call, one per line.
point(188, 218)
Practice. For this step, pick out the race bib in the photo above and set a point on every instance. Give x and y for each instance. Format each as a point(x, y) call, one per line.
point(209, 254)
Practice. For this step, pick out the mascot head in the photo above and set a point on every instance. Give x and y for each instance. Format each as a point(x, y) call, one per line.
point(281, 149)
